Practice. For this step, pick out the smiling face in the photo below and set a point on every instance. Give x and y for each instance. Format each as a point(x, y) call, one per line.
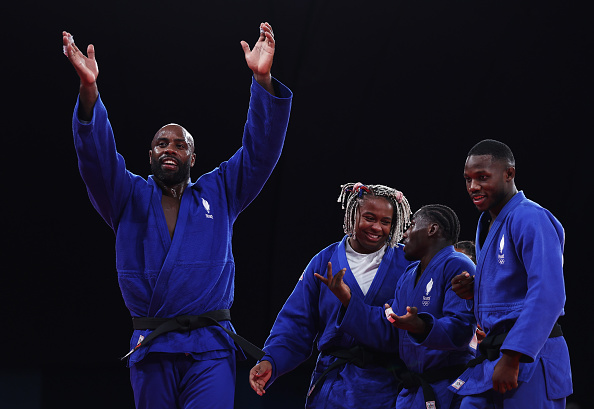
point(373, 223)
point(172, 155)
point(489, 182)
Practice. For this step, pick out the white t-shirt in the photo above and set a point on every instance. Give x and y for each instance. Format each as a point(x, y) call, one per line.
point(364, 266)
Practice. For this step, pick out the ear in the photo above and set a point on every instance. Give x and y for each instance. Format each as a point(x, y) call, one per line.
point(510, 174)
point(193, 160)
point(150, 157)
point(433, 229)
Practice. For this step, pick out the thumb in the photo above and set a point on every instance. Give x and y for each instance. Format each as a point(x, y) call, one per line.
point(91, 51)
point(245, 46)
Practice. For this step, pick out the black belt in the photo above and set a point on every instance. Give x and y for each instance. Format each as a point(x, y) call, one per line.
point(409, 380)
point(360, 356)
point(188, 323)
point(491, 346)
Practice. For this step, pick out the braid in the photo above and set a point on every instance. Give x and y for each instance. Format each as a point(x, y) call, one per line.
point(352, 193)
point(445, 217)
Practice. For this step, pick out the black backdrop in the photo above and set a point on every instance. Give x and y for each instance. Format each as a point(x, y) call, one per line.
point(384, 92)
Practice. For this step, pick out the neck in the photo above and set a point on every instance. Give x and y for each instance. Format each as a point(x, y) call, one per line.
point(431, 252)
point(495, 211)
point(174, 191)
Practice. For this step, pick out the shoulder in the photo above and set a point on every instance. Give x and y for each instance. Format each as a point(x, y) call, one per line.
point(458, 263)
point(529, 217)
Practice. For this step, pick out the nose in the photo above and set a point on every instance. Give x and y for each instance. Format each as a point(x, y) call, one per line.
point(376, 226)
point(473, 185)
point(169, 150)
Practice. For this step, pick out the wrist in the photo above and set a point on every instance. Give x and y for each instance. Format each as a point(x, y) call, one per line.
point(511, 356)
point(265, 80)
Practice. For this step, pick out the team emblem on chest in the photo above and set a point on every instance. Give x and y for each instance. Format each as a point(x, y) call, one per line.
point(207, 208)
point(427, 297)
point(500, 255)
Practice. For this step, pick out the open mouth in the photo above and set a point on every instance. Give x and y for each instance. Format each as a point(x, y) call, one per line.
point(478, 199)
point(373, 237)
point(169, 163)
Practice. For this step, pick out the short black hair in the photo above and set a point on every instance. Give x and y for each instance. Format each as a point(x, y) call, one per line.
point(445, 217)
point(467, 247)
point(498, 150)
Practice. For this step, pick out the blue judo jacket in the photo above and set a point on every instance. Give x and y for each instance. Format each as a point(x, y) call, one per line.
point(519, 288)
point(193, 272)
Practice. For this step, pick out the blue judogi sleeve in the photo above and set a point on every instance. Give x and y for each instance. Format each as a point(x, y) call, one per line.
point(194, 271)
point(519, 288)
point(308, 318)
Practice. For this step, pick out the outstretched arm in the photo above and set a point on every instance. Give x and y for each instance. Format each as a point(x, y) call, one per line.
point(259, 60)
point(87, 69)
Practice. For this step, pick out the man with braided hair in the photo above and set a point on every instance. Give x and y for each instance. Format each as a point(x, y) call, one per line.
point(518, 292)
point(435, 326)
point(348, 374)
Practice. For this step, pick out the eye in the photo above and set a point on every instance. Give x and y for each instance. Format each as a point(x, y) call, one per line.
point(369, 218)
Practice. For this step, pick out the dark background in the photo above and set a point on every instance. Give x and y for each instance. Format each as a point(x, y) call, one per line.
point(390, 93)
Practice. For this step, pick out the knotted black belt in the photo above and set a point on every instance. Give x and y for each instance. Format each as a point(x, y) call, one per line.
point(187, 323)
point(409, 380)
point(491, 346)
point(358, 355)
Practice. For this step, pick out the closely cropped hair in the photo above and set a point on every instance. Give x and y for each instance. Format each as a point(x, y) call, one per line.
point(467, 247)
point(352, 193)
point(445, 217)
point(498, 150)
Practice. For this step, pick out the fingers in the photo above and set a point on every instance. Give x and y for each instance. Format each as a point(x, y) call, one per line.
point(329, 271)
point(266, 28)
point(463, 285)
point(67, 42)
point(266, 34)
point(258, 377)
point(412, 310)
point(389, 313)
point(246, 47)
point(91, 51)
point(321, 278)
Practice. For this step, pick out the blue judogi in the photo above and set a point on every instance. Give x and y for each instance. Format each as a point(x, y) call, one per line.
point(451, 320)
point(193, 272)
point(519, 288)
point(309, 316)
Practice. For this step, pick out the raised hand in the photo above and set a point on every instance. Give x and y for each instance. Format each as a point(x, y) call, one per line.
point(336, 284)
point(87, 70)
point(86, 67)
point(463, 285)
point(259, 375)
point(259, 60)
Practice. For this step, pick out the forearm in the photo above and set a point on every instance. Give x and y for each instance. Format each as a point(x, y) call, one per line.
point(87, 99)
point(266, 82)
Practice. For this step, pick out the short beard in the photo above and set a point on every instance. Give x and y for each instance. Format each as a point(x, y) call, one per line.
point(169, 178)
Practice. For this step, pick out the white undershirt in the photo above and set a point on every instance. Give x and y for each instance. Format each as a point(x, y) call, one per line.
point(364, 266)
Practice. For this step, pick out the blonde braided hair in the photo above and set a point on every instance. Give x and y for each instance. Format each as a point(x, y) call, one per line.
point(352, 193)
